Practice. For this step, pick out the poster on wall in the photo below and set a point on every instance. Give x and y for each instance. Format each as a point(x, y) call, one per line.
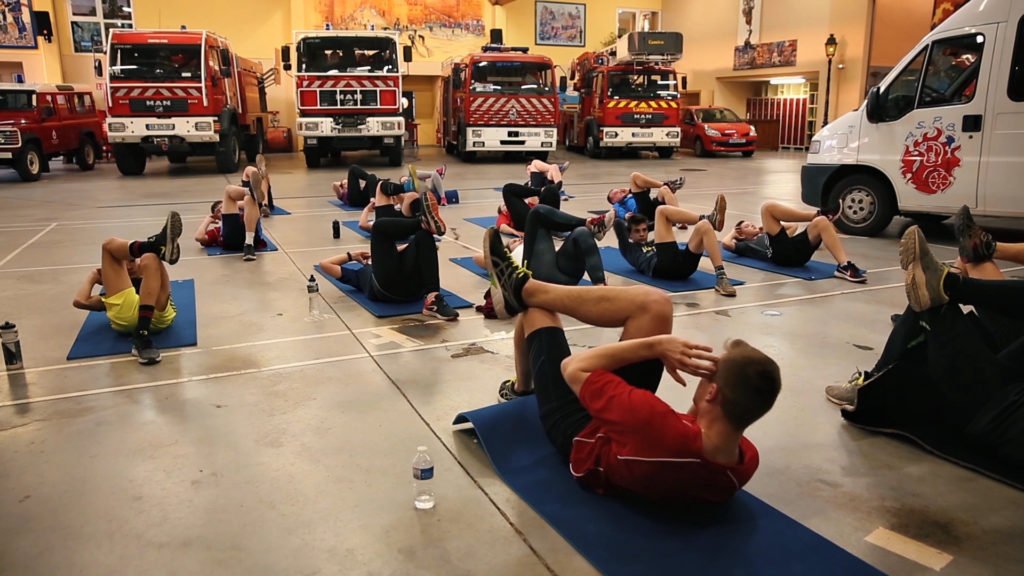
point(749, 30)
point(561, 24)
point(16, 24)
point(765, 55)
point(944, 9)
point(436, 29)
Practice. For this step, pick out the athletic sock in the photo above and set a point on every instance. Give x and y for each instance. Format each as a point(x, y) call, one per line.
point(720, 271)
point(140, 247)
point(146, 312)
point(250, 237)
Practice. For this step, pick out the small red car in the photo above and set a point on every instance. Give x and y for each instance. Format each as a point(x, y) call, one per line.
point(39, 122)
point(711, 129)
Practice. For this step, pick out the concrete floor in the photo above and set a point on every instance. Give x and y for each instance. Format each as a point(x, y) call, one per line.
point(279, 446)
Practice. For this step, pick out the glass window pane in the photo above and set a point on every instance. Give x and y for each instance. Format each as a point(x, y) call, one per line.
point(900, 96)
point(952, 74)
point(1015, 90)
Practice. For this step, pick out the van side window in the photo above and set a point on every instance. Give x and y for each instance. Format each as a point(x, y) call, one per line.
point(1015, 88)
point(83, 104)
point(900, 96)
point(951, 77)
point(62, 104)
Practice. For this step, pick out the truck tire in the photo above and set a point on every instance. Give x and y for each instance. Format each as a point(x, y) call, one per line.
point(699, 149)
point(254, 145)
point(593, 148)
point(465, 155)
point(866, 204)
point(229, 152)
point(130, 159)
point(666, 153)
point(29, 163)
point(86, 155)
point(395, 155)
point(177, 158)
point(312, 157)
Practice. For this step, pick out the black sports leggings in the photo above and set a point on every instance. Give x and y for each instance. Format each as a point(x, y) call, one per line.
point(577, 255)
point(404, 274)
point(515, 195)
point(360, 193)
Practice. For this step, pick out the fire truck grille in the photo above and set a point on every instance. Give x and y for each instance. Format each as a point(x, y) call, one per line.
point(509, 111)
point(10, 137)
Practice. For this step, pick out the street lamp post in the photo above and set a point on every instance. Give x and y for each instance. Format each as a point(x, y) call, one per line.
point(830, 52)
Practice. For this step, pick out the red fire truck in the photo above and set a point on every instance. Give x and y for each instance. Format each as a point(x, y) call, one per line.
point(628, 96)
point(182, 93)
point(348, 93)
point(498, 100)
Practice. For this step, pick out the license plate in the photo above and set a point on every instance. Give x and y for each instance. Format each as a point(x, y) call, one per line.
point(643, 134)
point(6, 155)
point(160, 127)
point(349, 129)
point(161, 141)
point(523, 134)
point(737, 141)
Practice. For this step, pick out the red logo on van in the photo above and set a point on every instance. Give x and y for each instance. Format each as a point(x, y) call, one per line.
point(930, 162)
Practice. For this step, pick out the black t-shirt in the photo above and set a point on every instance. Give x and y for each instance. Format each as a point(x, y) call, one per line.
point(758, 248)
point(640, 256)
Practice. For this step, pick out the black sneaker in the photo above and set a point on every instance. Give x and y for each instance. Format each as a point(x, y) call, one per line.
point(507, 276)
point(431, 215)
point(248, 252)
point(676, 184)
point(507, 391)
point(144, 350)
point(849, 271)
point(976, 245)
point(438, 308)
point(924, 273)
point(599, 225)
point(555, 188)
point(167, 238)
point(717, 215)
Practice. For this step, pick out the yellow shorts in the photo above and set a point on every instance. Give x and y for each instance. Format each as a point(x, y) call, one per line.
point(123, 312)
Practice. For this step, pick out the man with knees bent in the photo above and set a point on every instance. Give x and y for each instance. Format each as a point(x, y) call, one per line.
point(599, 407)
point(663, 258)
point(637, 197)
point(137, 297)
point(779, 241)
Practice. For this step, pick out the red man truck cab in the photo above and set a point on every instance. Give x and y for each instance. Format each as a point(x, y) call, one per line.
point(348, 93)
point(43, 121)
point(628, 96)
point(182, 93)
point(499, 100)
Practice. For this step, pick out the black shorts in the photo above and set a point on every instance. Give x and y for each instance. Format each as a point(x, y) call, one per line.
point(232, 232)
point(561, 413)
point(538, 180)
point(674, 263)
point(647, 205)
point(791, 250)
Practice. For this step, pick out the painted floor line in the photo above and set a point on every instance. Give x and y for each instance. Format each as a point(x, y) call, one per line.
point(909, 548)
point(27, 244)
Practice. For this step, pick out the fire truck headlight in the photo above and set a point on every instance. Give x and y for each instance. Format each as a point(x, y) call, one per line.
point(116, 127)
point(611, 134)
point(204, 126)
point(477, 133)
point(310, 126)
point(387, 126)
point(549, 133)
point(673, 134)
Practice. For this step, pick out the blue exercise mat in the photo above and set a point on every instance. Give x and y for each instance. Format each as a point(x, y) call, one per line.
point(389, 309)
point(743, 536)
point(813, 270)
point(219, 251)
point(467, 263)
point(97, 338)
point(486, 222)
point(339, 204)
point(278, 211)
point(353, 225)
point(614, 263)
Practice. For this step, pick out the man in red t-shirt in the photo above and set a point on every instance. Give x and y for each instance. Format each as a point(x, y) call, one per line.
point(599, 408)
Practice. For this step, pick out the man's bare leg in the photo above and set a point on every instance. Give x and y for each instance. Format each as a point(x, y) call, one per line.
point(364, 217)
point(1012, 252)
point(664, 219)
point(552, 172)
point(524, 375)
point(638, 182)
point(774, 214)
point(667, 196)
point(821, 230)
point(156, 286)
point(113, 271)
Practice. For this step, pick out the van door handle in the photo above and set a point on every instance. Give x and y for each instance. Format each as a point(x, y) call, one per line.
point(972, 123)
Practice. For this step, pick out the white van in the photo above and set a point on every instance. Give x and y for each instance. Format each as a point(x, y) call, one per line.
point(945, 128)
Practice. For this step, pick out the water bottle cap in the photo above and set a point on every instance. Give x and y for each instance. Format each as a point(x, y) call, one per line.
point(8, 326)
point(312, 279)
point(421, 448)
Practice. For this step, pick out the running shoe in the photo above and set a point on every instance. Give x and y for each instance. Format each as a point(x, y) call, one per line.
point(439, 308)
point(256, 188)
point(507, 277)
point(724, 287)
point(599, 225)
point(717, 215)
point(431, 214)
point(507, 391)
point(564, 166)
point(849, 271)
point(924, 273)
point(976, 245)
point(676, 184)
point(261, 164)
point(144, 350)
point(167, 238)
point(248, 252)
point(845, 394)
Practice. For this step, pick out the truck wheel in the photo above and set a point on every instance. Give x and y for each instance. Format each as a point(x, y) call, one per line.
point(177, 158)
point(593, 147)
point(29, 163)
point(130, 159)
point(465, 155)
point(86, 155)
point(395, 155)
point(229, 152)
point(312, 157)
point(866, 204)
point(699, 149)
point(255, 143)
point(666, 153)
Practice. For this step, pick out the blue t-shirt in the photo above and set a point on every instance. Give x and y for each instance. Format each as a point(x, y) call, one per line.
point(625, 206)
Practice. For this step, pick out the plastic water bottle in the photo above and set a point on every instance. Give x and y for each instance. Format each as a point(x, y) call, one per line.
point(423, 479)
point(313, 290)
point(12, 346)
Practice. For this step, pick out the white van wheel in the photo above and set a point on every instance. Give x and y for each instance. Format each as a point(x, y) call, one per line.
point(866, 205)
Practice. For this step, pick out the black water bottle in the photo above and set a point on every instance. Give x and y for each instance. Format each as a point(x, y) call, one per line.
point(12, 346)
point(336, 229)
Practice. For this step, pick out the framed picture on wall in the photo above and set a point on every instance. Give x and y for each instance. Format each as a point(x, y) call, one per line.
point(92, 20)
point(16, 28)
point(561, 24)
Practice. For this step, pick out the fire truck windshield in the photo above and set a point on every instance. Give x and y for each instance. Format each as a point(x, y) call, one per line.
point(348, 55)
point(17, 100)
point(156, 61)
point(642, 85)
point(511, 78)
